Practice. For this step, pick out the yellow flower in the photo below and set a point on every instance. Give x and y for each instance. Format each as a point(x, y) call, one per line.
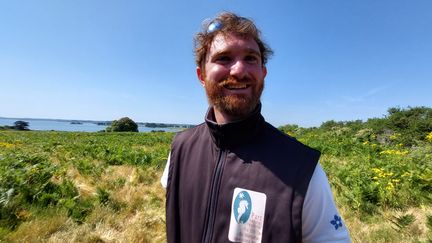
point(290, 134)
point(429, 137)
point(6, 145)
point(394, 152)
point(389, 186)
point(405, 174)
point(376, 170)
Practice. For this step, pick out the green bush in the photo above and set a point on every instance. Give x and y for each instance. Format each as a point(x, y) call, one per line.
point(124, 124)
point(21, 125)
point(408, 126)
point(79, 209)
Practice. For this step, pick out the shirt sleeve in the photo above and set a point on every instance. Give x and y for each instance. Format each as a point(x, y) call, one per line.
point(321, 221)
point(164, 178)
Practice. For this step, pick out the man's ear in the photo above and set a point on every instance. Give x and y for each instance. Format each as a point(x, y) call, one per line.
point(264, 71)
point(200, 75)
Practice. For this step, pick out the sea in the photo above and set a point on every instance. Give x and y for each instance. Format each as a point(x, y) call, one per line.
point(72, 126)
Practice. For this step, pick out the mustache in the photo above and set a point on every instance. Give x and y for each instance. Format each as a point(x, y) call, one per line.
point(232, 80)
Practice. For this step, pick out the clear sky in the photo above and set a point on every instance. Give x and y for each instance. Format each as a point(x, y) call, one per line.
point(105, 59)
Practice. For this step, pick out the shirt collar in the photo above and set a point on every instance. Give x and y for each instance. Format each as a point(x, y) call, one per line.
point(235, 133)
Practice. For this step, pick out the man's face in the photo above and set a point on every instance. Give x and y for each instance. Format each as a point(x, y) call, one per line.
point(233, 75)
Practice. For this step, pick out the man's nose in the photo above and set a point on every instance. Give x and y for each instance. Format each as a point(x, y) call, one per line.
point(238, 69)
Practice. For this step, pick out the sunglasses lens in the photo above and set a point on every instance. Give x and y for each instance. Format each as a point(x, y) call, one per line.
point(214, 26)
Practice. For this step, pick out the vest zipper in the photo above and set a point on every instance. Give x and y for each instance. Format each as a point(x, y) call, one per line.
point(214, 194)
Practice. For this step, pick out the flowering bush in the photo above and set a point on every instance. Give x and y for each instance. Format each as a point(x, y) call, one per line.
point(369, 174)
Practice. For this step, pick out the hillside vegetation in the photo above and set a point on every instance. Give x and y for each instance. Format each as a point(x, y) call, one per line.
point(104, 187)
point(380, 171)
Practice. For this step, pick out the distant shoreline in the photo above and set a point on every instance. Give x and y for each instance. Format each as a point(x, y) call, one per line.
point(68, 125)
point(104, 123)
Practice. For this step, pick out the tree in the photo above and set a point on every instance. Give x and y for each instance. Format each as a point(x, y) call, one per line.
point(413, 123)
point(289, 128)
point(406, 125)
point(124, 124)
point(328, 125)
point(21, 125)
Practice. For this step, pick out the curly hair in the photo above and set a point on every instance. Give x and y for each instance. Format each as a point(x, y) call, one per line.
point(228, 23)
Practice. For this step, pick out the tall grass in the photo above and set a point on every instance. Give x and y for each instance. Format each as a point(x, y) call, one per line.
point(85, 187)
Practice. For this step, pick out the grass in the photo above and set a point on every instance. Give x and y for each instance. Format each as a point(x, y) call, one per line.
point(104, 187)
point(82, 187)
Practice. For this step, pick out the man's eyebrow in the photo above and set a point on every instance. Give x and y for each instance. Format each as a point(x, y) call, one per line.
point(224, 52)
point(253, 51)
point(248, 51)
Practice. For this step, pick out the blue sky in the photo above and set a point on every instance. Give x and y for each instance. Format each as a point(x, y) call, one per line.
point(102, 60)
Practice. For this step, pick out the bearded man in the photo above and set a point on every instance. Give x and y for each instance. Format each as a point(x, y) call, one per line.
point(236, 178)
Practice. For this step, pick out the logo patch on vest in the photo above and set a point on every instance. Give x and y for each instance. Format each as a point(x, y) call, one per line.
point(247, 216)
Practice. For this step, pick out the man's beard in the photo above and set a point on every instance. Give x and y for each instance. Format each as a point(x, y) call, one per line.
point(234, 105)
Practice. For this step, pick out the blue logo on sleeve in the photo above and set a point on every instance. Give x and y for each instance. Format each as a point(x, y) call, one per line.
point(242, 207)
point(336, 222)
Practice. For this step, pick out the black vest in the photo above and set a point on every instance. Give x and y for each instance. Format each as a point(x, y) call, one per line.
point(209, 161)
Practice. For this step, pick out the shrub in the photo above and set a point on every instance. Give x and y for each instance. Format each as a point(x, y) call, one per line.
point(124, 124)
point(412, 124)
point(21, 125)
point(79, 209)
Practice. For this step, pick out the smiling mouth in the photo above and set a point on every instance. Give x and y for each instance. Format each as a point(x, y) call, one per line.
point(236, 86)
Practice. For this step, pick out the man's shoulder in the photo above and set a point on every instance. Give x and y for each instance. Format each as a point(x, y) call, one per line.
point(190, 133)
point(190, 138)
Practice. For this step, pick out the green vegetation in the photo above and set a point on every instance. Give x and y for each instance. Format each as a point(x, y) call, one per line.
point(18, 125)
point(101, 187)
point(79, 182)
point(380, 171)
point(377, 164)
point(124, 124)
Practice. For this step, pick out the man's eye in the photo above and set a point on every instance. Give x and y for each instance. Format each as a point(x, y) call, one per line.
point(223, 59)
point(251, 59)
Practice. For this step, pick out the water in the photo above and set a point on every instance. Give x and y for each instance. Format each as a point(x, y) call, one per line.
point(57, 125)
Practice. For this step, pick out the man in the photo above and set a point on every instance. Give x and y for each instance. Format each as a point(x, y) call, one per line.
point(236, 178)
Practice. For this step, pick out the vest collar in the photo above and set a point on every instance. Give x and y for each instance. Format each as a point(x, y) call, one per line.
point(235, 133)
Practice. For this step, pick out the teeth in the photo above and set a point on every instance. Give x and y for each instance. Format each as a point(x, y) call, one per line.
point(236, 86)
